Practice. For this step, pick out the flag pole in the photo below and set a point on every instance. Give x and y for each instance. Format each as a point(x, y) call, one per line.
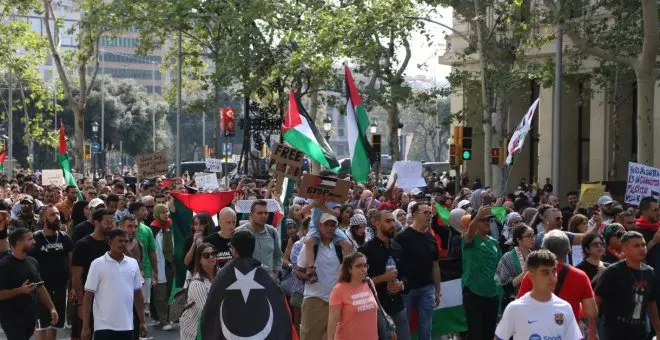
point(515, 159)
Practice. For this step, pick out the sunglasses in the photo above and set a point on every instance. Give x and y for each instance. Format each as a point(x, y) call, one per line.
point(362, 265)
point(597, 244)
point(208, 255)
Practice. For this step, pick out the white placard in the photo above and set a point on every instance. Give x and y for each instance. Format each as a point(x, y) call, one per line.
point(52, 177)
point(206, 181)
point(643, 181)
point(409, 175)
point(214, 164)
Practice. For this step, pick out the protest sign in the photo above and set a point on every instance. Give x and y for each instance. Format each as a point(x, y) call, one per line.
point(206, 181)
point(325, 188)
point(590, 193)
point(244, 206)
point(408, 175)
point(52, 177)
point(643, 181)
point(286, 161)
point(214, 164)
point(152, 164)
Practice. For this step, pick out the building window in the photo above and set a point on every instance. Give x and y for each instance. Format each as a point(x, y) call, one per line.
point(131, 59)
point(131, 73)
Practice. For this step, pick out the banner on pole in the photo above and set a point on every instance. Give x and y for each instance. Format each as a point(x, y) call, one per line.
point(518, 138)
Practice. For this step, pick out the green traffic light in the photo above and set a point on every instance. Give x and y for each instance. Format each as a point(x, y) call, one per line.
point(467, 155)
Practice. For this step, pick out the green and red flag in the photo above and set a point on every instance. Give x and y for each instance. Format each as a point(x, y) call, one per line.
point(360, 150)
point(443, 214)
point(299, 131)
point(3, 156)
point(65, 164)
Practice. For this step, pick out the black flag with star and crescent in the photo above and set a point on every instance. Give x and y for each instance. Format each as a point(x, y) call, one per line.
point(245, 303)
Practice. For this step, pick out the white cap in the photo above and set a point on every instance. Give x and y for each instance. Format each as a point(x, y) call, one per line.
point(95, 203)
point(328, 217)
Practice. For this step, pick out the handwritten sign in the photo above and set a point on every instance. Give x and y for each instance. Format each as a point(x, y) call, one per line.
point(52, 177)
point(590, 193)
point(324, 188)
point(643, 181)
point(206, 181)
point(152, 164)
point(214, 164)
point(286, 161)
point(409, 175)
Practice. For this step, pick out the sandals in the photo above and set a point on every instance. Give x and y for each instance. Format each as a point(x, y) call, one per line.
point(311, 272)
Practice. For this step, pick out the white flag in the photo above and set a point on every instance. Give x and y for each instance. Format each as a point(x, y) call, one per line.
point(518, 138)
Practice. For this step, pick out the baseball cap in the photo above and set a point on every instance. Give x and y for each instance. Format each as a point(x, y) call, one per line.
point(464, 204)
point(95, 203)
point(604, 200)
point(416, 192)
point(358, 219)
point(328, 217)
point(27, 199)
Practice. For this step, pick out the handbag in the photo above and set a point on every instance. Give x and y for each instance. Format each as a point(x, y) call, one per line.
point(180, 303)
point(386, 326)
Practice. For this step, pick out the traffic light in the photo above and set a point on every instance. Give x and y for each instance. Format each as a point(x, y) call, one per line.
point(466, 143)
point(455, 159)
point(88, 151)
point(495, 156)
point(375, 144)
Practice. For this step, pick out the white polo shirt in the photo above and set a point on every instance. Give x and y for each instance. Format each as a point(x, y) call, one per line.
point(113, 284)
point(327, 270)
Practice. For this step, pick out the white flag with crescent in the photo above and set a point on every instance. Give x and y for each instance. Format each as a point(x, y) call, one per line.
point(518, 138)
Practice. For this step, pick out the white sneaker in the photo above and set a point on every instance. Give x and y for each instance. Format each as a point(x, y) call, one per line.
point(168, 327)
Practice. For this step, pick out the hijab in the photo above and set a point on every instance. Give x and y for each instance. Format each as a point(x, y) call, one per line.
point(507, 230)
point(455, 217)
point(528, 215)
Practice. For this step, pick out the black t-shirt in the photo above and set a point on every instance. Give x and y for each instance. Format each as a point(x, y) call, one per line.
point(87, 250)
point(378, 254)
point(625, 294)
point(417, 252)
point(52, 254)
point(222, 246)
point(609, 257)
point(84, 228)
point(13, 272)
point(589, 269)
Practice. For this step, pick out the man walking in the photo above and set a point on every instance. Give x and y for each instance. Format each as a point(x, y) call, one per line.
point(19, 280)
point(53, 249)
point(114, 285)
point(145, 236)
point(267, 249)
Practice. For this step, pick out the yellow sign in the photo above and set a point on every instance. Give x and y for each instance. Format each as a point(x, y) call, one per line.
point(590, 193)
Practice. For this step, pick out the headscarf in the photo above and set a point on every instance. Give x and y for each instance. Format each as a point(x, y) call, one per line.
point(157, 223)
point(609, 231)
point(396, 213)
point(528, 215)
point(455, 217)
point(475, 199)
point(507, 231)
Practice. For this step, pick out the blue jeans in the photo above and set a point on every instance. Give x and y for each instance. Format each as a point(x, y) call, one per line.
point(402, 325)
point(422, 300)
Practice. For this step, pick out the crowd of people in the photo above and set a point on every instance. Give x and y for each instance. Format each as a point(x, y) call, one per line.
point(368, 268)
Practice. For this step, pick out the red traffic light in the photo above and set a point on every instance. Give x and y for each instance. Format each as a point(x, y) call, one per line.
point(452, 149)
point(495, 152)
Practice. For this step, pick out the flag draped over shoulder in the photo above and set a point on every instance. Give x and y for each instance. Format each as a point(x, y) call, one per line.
point(299, 131)
point(65, 164)
point(245, 303)
point(185, 206)
point(361, 153)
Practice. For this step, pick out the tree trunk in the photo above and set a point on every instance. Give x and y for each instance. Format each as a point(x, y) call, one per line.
point(645, 101)
point(393, 124)
point(313, 113)
point(488, 138)
point(79, 121)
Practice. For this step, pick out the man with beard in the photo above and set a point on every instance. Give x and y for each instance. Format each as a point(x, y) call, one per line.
point(66, 206)
point(149, 202)
point(25, 218)
point(31, 190)
point(357, 232)
point(19, 280)
point(88, 249)
point(53, 249)
point(388, 286)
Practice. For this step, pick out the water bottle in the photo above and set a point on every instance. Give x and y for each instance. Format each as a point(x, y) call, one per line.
point(391, 265)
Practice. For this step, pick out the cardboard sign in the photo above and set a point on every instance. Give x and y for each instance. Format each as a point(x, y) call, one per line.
point(324, 188)
point(590, 193)
point(206, 181)
point(408, 175)
point(214, 164)
point(52, 177)
point(152, 164)
point(286, 161)
point(643, 181)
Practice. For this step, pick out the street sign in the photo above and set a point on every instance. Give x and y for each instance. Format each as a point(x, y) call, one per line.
point(96, 147)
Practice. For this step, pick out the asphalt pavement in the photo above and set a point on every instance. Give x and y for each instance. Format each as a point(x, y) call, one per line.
point(154, 333)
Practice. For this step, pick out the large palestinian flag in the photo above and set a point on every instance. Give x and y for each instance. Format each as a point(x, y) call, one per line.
point(362, 155)
point(63, 159)
point(300, 132)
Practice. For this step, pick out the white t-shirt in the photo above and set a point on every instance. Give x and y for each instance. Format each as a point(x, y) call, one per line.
point(529, 319)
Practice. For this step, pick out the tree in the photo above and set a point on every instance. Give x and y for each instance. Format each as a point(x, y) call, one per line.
point(430, 131)
point(610, 31)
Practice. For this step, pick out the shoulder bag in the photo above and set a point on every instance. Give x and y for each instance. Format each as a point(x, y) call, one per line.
point(386, 326)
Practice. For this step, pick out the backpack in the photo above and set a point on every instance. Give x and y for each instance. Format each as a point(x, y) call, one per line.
point(338, 250)
point(180, 302)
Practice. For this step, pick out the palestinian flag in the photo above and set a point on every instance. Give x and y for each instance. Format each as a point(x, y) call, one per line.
point(362, 155)
point(245, 303)
point(3, 156)
point(443, 214)
point(63, 159)
point(300, 132)
point(185, 206)
point(449, 317)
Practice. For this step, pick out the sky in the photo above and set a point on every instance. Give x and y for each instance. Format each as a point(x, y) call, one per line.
point(421, 53)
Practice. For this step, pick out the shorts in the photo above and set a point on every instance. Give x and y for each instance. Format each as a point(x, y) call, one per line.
point(146, 290)
point(296, 300)
point(339, 234)
point(18, 327)
point(58, 297)
point(314, 319)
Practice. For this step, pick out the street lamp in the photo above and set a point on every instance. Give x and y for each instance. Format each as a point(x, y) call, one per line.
point(399, 132)
point(373, 128)
point(95, 130)
point(327, 126)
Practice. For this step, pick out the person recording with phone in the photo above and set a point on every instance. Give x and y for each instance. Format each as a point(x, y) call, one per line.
point(20, 286)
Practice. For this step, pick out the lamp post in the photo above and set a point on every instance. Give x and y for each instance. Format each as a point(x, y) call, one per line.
point(327, 126)
point(95, 130)
point(399, 133)
point(375, 144)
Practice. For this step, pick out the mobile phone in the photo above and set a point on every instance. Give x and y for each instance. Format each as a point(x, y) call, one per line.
point(37, 283)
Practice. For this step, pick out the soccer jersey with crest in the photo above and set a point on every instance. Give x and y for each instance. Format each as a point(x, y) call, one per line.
point(529, 319)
